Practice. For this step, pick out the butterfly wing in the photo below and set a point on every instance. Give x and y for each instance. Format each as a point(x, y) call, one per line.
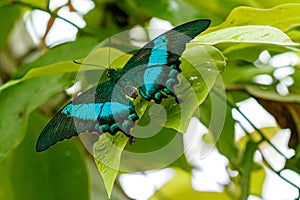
point(103, 108)
point(156, 65)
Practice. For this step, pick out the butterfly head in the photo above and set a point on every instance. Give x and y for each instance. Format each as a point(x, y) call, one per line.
point(113, 74)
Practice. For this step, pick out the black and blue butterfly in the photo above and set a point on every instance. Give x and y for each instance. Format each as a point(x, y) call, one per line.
point(108, 107)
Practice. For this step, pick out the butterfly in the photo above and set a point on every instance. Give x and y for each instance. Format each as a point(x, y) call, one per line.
point(108, 107)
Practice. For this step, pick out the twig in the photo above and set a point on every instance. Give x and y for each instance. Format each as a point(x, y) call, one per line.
point(20, 3)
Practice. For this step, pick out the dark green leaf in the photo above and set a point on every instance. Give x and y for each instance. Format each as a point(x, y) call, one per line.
point(155, 148)
point(294, 162)
point(6, 189)
point(247, 167)
point(59, 173)
point(9, 16)
point(238, 71)
point(18, 100)
point(226, 143)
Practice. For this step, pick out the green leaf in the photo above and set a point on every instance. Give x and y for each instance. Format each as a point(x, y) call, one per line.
point(250, 52)
point(295, 88)
point(107, 155)
point(284, 17)
point(294, 34)
point(62, 53)
point(257, 180)
point(226, 142)
point(59, 173)
point(201, 65)
point(247, 42)
point(180, 187)
point(246, 34)
point(213, 111)
point(9, 17)
point(6, 189)
point(270, 93)
point(96, 185)
point(268, 132)
point(247, 167)
point(40, 4)
point(294, 162)
point(69, 66)
point(19, 100)
point(156, 147)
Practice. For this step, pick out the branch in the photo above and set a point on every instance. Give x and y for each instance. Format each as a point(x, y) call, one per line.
point(53, 14)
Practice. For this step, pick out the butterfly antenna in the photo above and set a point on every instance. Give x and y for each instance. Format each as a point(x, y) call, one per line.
point(88, 64)
point(109, 51)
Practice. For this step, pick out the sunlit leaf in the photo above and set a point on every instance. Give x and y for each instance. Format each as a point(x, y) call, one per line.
point(40, 4)
point(117, 57)
point(246, 34)
point(97, 187)
point(247, 42)
point(107, 155)
point(268, 132)
point(257, 180)
point(284, 17)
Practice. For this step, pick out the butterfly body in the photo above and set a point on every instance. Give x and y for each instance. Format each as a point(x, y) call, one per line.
point(108, 107)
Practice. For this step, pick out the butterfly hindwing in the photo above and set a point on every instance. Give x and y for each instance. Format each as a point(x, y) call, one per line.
point(99, 109)
point(158, 61)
